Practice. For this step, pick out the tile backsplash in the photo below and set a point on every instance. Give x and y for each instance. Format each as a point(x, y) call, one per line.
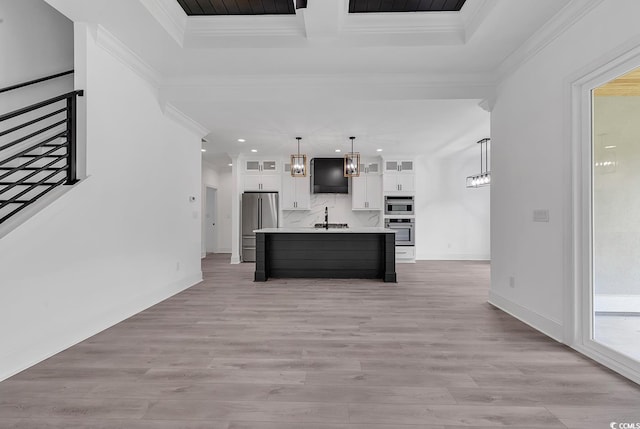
point(339, 212)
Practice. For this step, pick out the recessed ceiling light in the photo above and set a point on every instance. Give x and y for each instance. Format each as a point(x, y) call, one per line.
point(241, 140)
point(610, 147)
point(338, 150)
point(378, 150)
point(254, 150)
point(203, 150)
point(230, 165)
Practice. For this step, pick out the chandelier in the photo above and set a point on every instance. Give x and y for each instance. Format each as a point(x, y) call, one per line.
point(298, 163)
point(352, 162)
point(484, 177)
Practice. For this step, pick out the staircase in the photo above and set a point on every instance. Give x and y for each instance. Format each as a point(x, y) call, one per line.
point(37, 149)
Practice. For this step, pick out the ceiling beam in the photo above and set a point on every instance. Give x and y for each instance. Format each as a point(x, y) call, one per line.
point(323, 18)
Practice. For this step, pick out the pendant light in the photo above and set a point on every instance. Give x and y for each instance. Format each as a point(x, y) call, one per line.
point(352, 162)
point(298, 163)
point(484, 177)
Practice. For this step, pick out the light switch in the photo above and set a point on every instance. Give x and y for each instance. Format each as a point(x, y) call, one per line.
point(541, 215)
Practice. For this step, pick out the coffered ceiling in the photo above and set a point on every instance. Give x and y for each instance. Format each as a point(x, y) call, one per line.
point(275, 7)
point(404, 82)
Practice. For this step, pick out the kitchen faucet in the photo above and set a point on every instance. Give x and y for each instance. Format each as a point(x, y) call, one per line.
point(326, 218)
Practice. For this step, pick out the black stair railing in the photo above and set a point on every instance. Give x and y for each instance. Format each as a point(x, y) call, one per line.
point(38, 147)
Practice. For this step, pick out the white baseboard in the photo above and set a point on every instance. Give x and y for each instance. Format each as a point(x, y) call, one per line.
point(453, 257)
point(617, 303)
point(49, 345)
point(549, 327)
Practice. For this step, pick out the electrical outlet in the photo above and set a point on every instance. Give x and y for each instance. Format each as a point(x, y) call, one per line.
point(512, 282)
point(541, 215)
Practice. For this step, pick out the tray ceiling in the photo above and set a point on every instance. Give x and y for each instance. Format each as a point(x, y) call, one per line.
point(279, 7)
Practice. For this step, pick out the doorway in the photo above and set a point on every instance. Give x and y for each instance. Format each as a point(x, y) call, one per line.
point(210, 220)
point(615, 211)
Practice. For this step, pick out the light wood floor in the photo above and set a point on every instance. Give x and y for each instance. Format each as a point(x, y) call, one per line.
point(426, 353)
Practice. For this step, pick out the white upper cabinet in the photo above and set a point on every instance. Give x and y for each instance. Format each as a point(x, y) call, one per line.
point(399, 166)
point(253, 166)
point(370, 167)
point(296, 191)
point(366, 190)
point(399, 184)
point(261, 182)
point(261, 175)
point(399, 177)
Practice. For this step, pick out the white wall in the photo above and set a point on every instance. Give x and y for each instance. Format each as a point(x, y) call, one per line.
point(531, 160)
point(35, 41)
point(452, 221)
point(125, 238)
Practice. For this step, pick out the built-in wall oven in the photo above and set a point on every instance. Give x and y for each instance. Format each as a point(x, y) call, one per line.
point(404, 229)
point(398, 205)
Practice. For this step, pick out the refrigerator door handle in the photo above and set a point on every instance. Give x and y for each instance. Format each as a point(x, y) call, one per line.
point(260, 213)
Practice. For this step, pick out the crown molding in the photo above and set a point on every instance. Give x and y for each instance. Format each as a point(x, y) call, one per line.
point(440, 29)
point(176, 115)
point(550, 31)
point(233, 31)
point(384, 79)
point(405, 29)
point(121, 52)
point(488, 104)
point(170, 16)
point(474, 13)
point(358, 87)
point(240, 25)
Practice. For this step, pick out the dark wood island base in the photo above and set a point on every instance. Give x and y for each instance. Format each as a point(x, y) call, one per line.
point(325, 254)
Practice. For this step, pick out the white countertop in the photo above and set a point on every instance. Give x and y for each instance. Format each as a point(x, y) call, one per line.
point(361, 230)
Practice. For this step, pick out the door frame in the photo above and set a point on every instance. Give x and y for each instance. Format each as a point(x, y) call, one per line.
point(578, 308)
point(205, 222)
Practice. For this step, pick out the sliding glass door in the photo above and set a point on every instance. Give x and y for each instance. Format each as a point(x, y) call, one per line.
point(615, 197)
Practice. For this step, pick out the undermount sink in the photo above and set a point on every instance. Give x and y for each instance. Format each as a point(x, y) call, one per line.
point(332, 225)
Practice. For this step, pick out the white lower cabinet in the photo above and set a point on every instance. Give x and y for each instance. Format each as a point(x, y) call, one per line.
point(366, 192)
point(405, 254)
point(296, 193)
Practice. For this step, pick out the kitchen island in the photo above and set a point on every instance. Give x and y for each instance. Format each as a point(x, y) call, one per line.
point(367, 253)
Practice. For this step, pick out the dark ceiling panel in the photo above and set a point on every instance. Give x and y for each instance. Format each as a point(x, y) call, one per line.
point(245, 7)
point(232, 7)
point(364, 6)
point(206, 7)
point(269, 6)
point(237, 7)
point(220, 7)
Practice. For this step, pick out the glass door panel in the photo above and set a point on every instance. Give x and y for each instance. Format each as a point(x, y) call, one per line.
point(616, 215)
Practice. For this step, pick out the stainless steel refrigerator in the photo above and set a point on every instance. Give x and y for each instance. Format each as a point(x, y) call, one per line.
point(259, 210)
